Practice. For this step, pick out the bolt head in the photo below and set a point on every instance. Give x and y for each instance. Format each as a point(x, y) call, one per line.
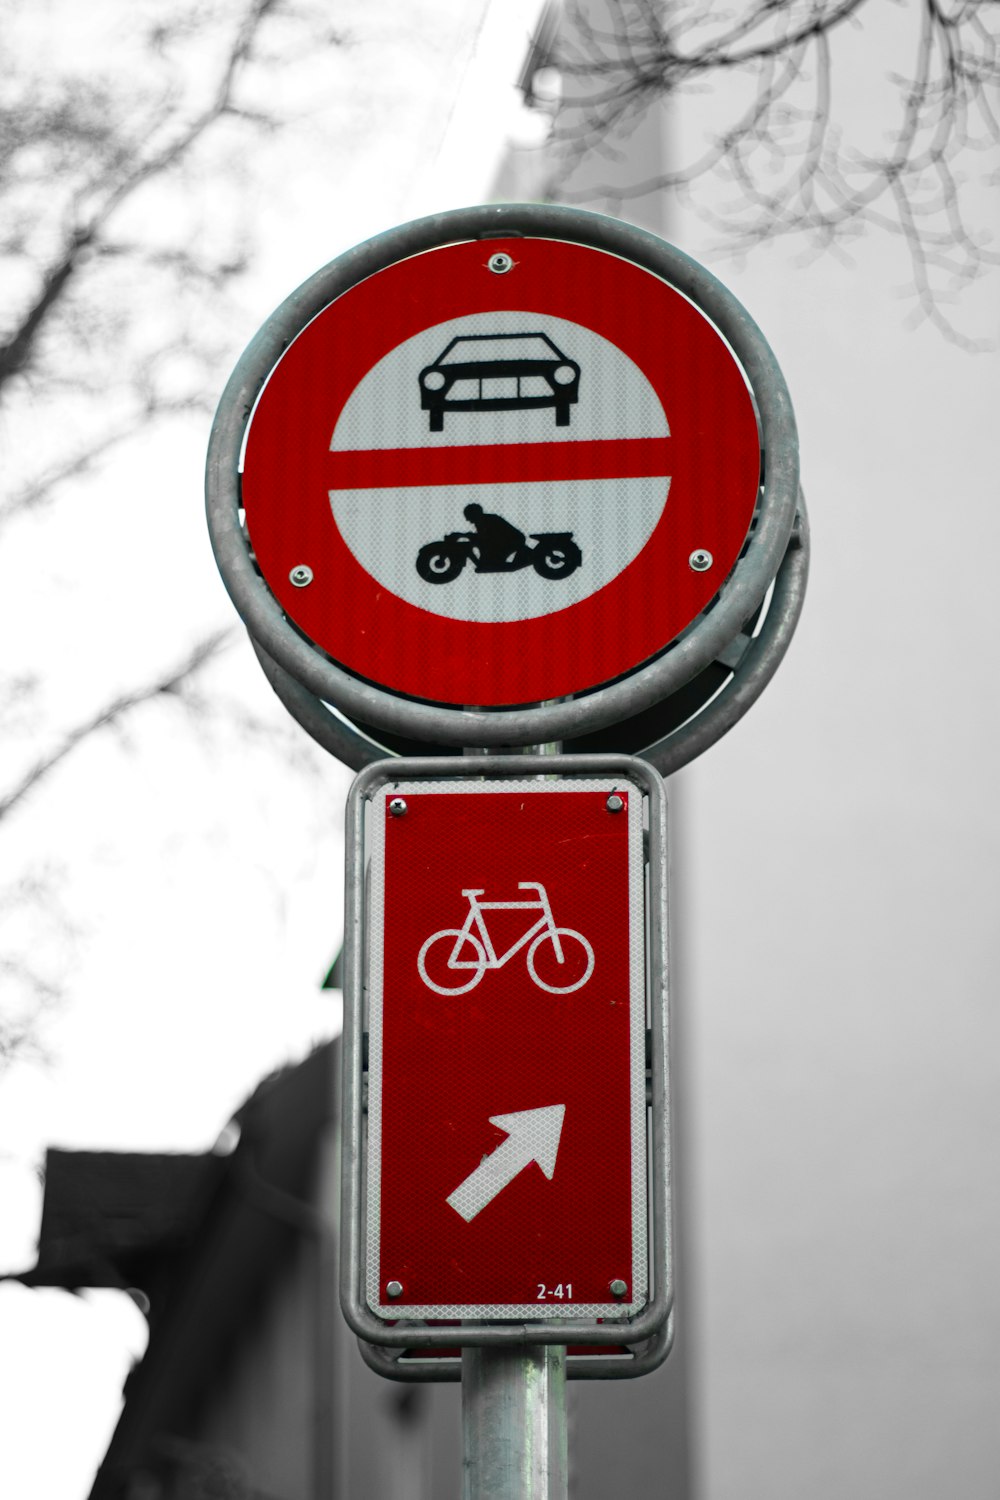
point(500, 263)
point(618, 1288)
point(394, 1289)
point(301, 576)
point(397, 806)
point(615, 803)
point(700, 560)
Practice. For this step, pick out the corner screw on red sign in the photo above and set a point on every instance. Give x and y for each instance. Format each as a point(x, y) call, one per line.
point(474, 488)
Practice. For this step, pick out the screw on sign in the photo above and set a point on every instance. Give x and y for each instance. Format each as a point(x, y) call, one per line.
point(511, 474)
point(507, 1101)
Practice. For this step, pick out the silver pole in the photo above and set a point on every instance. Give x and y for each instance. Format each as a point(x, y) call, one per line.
point(514, 1405)
point(514, 1423)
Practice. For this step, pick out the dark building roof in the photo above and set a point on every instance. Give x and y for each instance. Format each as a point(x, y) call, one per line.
point(199, 1235)
point(108, 1217)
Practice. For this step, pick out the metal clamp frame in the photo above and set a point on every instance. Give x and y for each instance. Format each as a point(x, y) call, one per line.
point(761, 655)
point(739, 597)
point(397, 1364)
point(422, 1335)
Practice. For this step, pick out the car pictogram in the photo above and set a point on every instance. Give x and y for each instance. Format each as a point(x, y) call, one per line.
point(499, 372)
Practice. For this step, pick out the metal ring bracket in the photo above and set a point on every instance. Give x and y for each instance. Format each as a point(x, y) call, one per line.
point(569, 719)
point(397, 1364)
point(761, 655)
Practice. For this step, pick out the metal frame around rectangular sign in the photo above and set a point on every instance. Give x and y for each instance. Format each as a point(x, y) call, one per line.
point(423, 1367)
point(555, 815)
point(644, 1332)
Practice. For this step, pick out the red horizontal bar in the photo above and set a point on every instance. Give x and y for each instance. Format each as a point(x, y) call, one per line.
point(498, 463)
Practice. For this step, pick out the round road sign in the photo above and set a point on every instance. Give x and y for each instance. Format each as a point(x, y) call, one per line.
point(496, 478)
point(506, 487)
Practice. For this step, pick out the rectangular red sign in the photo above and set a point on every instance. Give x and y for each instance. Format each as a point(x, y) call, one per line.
point(507, 1019)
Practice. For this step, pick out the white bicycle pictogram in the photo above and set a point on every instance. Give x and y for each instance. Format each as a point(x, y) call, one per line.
point(484, 955)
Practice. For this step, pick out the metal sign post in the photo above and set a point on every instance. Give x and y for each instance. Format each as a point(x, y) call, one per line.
point(514, 1424)
point(531, 459)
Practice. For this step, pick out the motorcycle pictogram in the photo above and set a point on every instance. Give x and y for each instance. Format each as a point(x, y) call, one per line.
point(496, 546)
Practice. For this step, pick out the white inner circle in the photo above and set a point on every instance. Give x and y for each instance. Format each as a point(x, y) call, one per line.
point(610, 520)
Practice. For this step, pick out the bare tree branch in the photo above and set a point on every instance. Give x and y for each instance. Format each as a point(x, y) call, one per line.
point(41, 489)
point(38, 943)
point(788, 145)
point(114, 320)
point(117, 184)
point(169, 685)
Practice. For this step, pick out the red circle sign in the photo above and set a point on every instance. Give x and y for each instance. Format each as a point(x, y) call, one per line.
point(499, 472)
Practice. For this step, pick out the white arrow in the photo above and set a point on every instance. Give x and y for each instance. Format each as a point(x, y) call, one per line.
point(532, 1135)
